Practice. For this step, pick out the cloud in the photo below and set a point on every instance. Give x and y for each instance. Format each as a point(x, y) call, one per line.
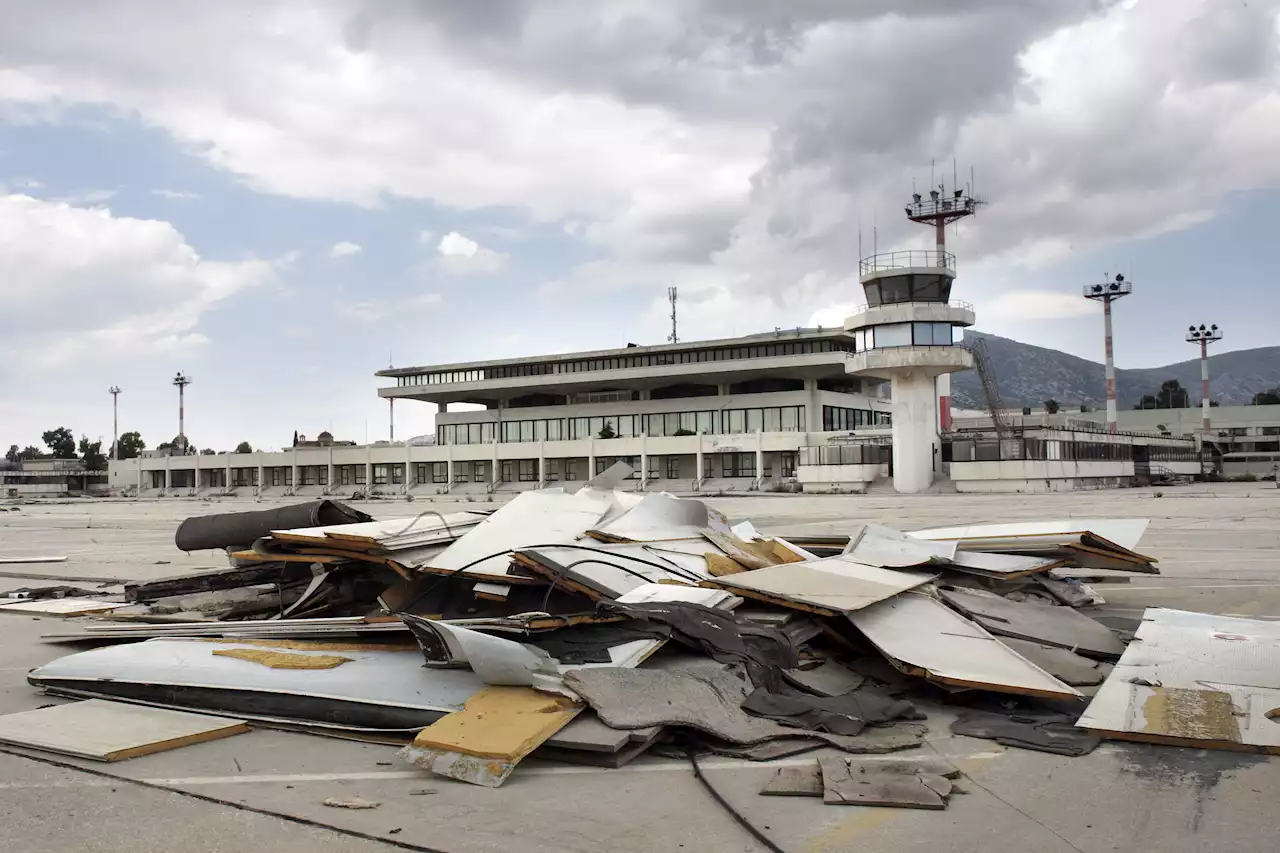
point(365, 311)
point(84, 197)
point(428, 300)
point(461, 255)
point(176, 195)
point(426, 237)
point(1016, 305)
point(80, 285)
point(344, 250)
point(737, 142)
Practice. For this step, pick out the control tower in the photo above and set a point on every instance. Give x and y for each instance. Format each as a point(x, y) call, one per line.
point(906, 333)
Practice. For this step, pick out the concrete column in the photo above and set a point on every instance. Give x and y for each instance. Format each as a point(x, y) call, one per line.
point(295, 483)
point(449, 471)
point(915, 434)
point(329, 481)
point(644, 460)
point(697, 474)
point(812, 407)
point(591, 458)
point(227, 482)
point(493, 475)
point(195, 474)
point(760, 455)
point(168, 469)
point(542, 462)
point(262, 475)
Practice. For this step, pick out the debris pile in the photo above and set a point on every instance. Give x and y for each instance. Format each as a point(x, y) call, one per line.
point(591, 625)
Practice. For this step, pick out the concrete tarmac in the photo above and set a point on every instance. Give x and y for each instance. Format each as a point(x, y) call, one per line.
point(1219, 551)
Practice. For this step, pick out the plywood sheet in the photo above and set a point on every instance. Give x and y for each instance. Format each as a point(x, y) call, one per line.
point(830, 585)
point(62, 606)
point(1053, 625)
point(923, 636)
point(1125, 532)
point(654, 592)
point(879, 545)
point(484, 742)
point(1194, 679)
point(112, 731)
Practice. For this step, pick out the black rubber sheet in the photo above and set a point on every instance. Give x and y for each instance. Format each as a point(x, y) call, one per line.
point(242, 529)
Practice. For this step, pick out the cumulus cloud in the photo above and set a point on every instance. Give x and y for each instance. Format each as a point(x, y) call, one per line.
point(344, 250)
point(1016, 305)
point(461, 255)
point(78, 284)
point(175, 195)
point(734, 143)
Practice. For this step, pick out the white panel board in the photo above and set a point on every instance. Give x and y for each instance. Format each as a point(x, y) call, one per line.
point(1194, 679)
point(62, 606)
point(832, 584)
point(1125, 532)
point(928, 638)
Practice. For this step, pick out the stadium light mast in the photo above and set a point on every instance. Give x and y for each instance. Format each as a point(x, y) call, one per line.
point(181, 381)
point(1204, 336)
point(1106, 293)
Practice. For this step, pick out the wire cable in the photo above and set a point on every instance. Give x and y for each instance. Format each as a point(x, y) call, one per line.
point(738, 818)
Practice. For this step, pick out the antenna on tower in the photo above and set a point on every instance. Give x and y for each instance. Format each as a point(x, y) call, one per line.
point(671, 295)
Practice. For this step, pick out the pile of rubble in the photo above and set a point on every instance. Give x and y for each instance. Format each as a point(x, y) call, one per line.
point(593, 625)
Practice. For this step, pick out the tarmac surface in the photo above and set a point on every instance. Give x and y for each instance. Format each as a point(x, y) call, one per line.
point(1219, 552)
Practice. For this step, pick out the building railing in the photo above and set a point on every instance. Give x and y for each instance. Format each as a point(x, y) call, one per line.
point(950, 303)
point(907, 258)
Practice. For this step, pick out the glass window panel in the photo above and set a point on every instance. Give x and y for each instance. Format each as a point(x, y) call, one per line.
point(773, 420)
point(670, 423)
point(788, 419)
point(893, 335)
point(706, 423)
point(922, 334)
point(755, 420)
point(689, 421)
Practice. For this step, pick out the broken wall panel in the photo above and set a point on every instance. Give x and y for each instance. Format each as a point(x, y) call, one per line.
point(1194, 679)
point(828, 586)
point(922, 636)
point(1053, 625)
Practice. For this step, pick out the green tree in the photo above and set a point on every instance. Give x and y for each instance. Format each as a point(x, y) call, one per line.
point(175, 446)
point(208, 451)
point(131, 444)
point(1270, 397)
point(30, 452)
point(607, 431)
point(12, 455)
point(60, 442)
point(244, 447)
point(1051, 406)
point(91, 453)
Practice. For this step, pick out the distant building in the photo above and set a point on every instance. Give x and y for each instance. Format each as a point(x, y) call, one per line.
point(324, 439)
point(50, 478)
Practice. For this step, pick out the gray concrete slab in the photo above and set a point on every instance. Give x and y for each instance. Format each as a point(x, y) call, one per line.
point(1219, 550)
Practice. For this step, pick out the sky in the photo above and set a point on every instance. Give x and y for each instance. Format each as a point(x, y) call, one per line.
point(279, 197)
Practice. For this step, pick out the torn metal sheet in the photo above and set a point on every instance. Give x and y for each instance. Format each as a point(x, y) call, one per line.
point(1010, 536)
point(61, 606)
point(1050, 624)
point(828, 586)
point(483, 743)
point(878, 545)
point(1194, 679)
point(660, 516)
point(534, 518)
point(375, 690)
point(111, 731)
point(922, 636)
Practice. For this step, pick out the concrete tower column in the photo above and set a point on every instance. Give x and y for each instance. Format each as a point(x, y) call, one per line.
point(760, 455)
point(915, 437)
point(944, 402)
point(697, 474)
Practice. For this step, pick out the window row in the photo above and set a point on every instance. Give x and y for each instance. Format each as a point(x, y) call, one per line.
point(836, 418)
point(1013, 449)
point(725, 422)
point(908, 288)
point(624, 362)
point(846, 454)
point(904, 335)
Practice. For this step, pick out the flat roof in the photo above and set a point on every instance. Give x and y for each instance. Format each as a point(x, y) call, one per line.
point(792, 334)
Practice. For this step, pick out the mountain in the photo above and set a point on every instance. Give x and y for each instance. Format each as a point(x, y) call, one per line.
point(1028, 375)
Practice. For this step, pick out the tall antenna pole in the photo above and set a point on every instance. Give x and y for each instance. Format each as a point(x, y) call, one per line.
point(114, 390)
point(1204, 337)
point(182, 381)
point(1106, 293)
point(671, 294)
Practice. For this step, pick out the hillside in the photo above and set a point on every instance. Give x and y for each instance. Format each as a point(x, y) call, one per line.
point(1028, 375)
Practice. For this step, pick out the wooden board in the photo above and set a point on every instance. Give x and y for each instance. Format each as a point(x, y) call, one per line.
point(485, 741)
point(112, 731)
point(833, 584)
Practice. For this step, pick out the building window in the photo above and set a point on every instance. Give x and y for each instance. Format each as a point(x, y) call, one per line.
point(157, 479)
point(673, 467)
point(738, 464)
point(528, 470)
point(553, 469)
point(397, 474)
point(507, 471)
point(570, 469)
point(381, 474)
point(322, 475)
point(307, 475)
point(478, 472)
point(439, 472)
point(788, 464)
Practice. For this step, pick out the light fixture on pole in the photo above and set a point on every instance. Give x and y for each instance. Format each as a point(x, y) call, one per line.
point(181, 381)
point(114, 391)
point(1204, 336)
point(1105, 293)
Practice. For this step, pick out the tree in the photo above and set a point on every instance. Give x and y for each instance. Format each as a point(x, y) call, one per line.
point(175, 447)
point(94, 459)
point(295, 438)
point(131, 444)
point(12, 455)
point(30, 452)
point(1173, 396)
point(1051, 406)
point(208, 451)
point(607, 431)
point(60, 442)
point(1270, 397)
point(244, 447)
